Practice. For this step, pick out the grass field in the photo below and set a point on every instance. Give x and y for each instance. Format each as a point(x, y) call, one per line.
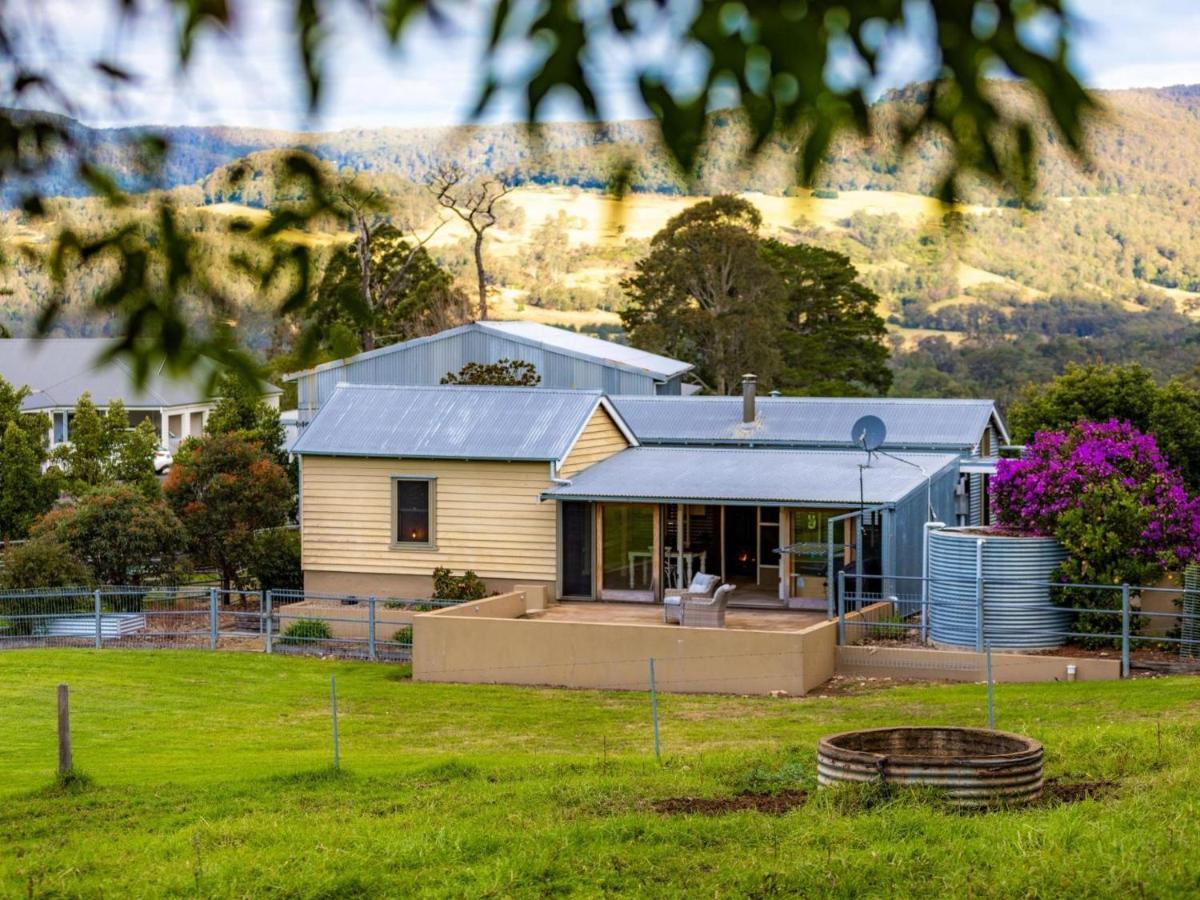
point(209, 776)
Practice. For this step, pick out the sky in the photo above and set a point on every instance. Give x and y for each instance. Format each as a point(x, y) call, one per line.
point(249, 76)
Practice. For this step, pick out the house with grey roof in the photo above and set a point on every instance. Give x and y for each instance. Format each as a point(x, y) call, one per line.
point(971, 429)
point(590, 497)
point(58, 371)
point(563, 360)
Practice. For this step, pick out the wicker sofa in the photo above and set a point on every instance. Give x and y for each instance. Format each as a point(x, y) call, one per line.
point(706, 612)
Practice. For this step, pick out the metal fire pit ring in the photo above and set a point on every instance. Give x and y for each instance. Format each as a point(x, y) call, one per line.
point(969, 766)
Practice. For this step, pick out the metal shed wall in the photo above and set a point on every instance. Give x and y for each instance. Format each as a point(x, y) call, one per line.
point(907, 521)
point(427, 362)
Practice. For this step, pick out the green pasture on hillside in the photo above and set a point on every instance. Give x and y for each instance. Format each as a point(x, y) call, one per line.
point(208, 775)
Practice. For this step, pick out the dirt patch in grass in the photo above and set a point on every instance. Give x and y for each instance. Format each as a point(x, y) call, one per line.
point(1054, 792)
point(1057, 790)
point(772, 804)
point(854, 685)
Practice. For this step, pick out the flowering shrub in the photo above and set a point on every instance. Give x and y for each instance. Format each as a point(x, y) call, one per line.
point(1110, 497)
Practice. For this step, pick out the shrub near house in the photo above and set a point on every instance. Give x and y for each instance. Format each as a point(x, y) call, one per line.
point(225, 489)
point(1108, 494)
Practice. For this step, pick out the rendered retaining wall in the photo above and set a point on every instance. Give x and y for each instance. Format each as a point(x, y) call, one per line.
point(922, 664)
point(487, 642)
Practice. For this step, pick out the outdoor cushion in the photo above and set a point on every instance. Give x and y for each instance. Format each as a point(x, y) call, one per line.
point(703, 583)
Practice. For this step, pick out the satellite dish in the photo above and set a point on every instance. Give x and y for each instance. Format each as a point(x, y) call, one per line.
point(869, 432)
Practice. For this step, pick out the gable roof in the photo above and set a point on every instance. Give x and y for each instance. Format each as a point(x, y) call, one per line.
point(807, 421)
point(59, 371)
point(586, 347)
point(534, 334)
point(741, 475)
point(451, 422)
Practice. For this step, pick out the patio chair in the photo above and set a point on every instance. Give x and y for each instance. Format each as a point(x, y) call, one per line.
point(702, 587)
point(706, 612)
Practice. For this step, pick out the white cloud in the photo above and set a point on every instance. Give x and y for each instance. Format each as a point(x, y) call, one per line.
point(251, 76)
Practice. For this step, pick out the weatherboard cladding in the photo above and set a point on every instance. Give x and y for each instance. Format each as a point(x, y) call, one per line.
point(734, 475)
point(804, 421)
point(500, 423)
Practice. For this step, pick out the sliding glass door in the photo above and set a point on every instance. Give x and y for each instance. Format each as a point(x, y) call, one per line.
point(628, 548)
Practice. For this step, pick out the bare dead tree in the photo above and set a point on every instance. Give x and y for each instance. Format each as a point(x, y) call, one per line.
point(474, 201)
point(366, 210)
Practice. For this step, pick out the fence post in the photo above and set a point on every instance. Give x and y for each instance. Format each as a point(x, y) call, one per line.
point(370, 627)
point(991, 694)
point(99, 621)
point(841, 607)
point(213, 623)
point(1125, 631)
point(337, 755)
point(65, 762)
point(268, 604)
point(979, 596)
point(654, 710)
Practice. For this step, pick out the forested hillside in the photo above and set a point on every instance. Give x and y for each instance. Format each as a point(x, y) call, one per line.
point(1104, 262)
point(1141, 143)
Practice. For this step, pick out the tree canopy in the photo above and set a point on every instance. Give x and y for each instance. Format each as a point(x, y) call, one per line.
point(25, 492)
point(803, 72)
point(407, 295)
point(225, 488)
point(242, 411)
point(504, 372)
point(715, 293)
point(120, 536)
point(834, 337)
point(1126, 393)
point(104, 450)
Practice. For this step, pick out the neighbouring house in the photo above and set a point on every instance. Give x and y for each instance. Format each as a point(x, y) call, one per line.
point(610, 498)
point(562, 358)
point(59, 371)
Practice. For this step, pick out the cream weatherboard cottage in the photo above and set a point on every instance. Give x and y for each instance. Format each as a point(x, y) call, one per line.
point(619, 498)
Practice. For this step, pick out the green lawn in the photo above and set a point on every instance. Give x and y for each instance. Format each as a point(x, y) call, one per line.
point(209, 777)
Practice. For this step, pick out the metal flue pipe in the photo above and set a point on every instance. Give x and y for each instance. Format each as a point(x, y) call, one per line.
point(749, 389)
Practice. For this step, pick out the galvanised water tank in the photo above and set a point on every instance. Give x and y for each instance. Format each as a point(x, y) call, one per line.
point(1015, 616)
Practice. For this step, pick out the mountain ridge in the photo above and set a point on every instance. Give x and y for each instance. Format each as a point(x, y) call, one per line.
point(1162, 123)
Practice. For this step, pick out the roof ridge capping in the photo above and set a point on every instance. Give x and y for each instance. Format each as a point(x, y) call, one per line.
point(783, 398)
point(807, 451)
point(463, 388)
point(551, 337)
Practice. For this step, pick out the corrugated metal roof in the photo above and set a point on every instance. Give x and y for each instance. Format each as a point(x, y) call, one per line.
point(726, 474)
point(590, 347)
point(60, 370)
point(447, 422)
point(804, 421)
point(558, 340)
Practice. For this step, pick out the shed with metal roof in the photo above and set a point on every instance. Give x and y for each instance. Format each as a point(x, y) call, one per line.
point(563, 360)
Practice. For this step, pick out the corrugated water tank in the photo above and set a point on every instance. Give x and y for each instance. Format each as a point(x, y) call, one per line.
point(1017, 610)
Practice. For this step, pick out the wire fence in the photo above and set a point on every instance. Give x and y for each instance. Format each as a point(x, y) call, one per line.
point(1148, 625)
point(196, 617)
point(1154, 624)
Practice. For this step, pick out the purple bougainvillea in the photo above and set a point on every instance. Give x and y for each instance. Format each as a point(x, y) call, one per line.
point(1106, 491)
